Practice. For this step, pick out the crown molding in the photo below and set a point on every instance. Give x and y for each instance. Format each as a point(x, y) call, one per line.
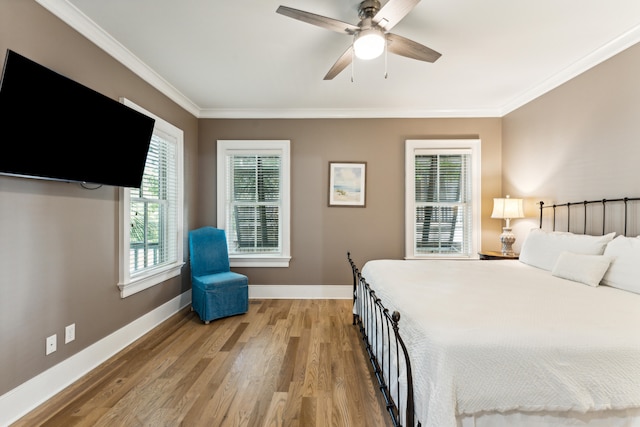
point(337, 113)
point(607, 51)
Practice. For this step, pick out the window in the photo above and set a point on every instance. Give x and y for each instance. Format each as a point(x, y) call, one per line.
point(253, 201)
point(151, 229)
point(442, 199)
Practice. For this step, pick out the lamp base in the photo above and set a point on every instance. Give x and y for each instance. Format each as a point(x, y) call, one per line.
point(508, 239)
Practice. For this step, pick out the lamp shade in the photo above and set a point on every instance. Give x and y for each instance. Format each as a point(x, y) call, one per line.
point(507, 208)
point(369, 44)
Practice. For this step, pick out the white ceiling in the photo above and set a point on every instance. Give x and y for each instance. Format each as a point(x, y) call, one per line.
point(241, 59)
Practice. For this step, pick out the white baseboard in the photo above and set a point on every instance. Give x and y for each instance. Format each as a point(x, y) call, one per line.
point(26, 397)
point(300, 292)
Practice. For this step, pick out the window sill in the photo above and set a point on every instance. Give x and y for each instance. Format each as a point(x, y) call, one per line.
point(456, 256)
point(150, 279)
point(258, 261)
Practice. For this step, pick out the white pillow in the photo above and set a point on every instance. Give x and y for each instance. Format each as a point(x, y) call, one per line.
point(542, 248)
point(587, 269)
point(624, 272)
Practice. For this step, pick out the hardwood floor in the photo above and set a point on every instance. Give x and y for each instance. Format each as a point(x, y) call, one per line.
point(284, 363)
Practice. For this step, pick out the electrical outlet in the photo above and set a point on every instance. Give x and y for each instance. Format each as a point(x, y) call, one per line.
point(52, 344)
point(70, 333)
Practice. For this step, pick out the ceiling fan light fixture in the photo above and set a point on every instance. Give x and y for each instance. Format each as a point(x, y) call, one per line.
point(369, 44)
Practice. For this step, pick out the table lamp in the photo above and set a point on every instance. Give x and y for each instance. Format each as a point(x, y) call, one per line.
point(507, 209)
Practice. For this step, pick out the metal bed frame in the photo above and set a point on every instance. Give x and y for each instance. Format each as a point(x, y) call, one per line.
point(379, 329)
point(585, 212)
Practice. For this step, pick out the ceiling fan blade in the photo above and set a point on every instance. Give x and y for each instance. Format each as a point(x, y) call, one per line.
point(405, 47)
point(320, 21)
point(393, 12)
point(340, 64)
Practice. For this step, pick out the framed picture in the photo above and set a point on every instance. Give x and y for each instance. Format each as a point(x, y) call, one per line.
point(347, 183)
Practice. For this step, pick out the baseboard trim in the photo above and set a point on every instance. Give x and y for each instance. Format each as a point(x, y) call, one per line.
point(300, 292)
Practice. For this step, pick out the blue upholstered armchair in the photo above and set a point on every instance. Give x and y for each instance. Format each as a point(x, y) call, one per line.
point(215, 290)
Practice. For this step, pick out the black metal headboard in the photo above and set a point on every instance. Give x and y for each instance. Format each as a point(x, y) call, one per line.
point(590, 213)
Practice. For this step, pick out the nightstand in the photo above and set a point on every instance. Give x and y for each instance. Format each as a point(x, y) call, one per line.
point(489, 255)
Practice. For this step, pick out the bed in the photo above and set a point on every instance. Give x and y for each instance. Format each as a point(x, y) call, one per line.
point(549, 340)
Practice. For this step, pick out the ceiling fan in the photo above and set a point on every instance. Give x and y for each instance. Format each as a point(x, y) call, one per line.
point(371, 36)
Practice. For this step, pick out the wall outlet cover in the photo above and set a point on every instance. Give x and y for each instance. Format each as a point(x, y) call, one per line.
point(70, 333)
point(52, 344)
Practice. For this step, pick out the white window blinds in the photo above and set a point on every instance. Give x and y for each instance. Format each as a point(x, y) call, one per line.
point(254, 203)
point(442, 202)
point(153, 209)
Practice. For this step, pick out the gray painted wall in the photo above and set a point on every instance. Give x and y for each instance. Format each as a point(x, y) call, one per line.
point(578, 142)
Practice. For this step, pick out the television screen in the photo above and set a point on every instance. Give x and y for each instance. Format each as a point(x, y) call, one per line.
point(52, 127)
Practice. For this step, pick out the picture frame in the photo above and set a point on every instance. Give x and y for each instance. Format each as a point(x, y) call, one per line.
point(347, 184)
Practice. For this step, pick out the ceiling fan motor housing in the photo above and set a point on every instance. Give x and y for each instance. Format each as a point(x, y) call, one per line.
point(368, 8)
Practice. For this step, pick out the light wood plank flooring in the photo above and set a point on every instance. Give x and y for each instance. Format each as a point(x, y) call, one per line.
point(284, 363)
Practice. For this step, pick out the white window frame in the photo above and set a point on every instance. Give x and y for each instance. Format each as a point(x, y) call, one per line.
point(249, 147)
point(413, 147)
point(129, 283)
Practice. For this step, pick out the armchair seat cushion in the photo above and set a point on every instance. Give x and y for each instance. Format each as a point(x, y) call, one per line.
point(220, 281)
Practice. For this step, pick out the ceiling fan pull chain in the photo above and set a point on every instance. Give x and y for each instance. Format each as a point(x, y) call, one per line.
point(353, 60)
point(386, 74)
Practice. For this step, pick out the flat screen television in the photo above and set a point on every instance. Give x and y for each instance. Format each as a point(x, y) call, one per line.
point(52, 127)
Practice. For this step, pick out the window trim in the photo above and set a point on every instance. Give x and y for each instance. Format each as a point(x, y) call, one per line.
point(413, 145)
point(253, 147)
point(127, 284)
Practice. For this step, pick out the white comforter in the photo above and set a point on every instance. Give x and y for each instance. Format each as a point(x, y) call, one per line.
point(501, 336)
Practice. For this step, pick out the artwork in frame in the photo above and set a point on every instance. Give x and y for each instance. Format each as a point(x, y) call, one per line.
point(347, 183)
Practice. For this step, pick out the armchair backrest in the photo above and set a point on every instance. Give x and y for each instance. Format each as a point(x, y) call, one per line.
point(208, 253)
